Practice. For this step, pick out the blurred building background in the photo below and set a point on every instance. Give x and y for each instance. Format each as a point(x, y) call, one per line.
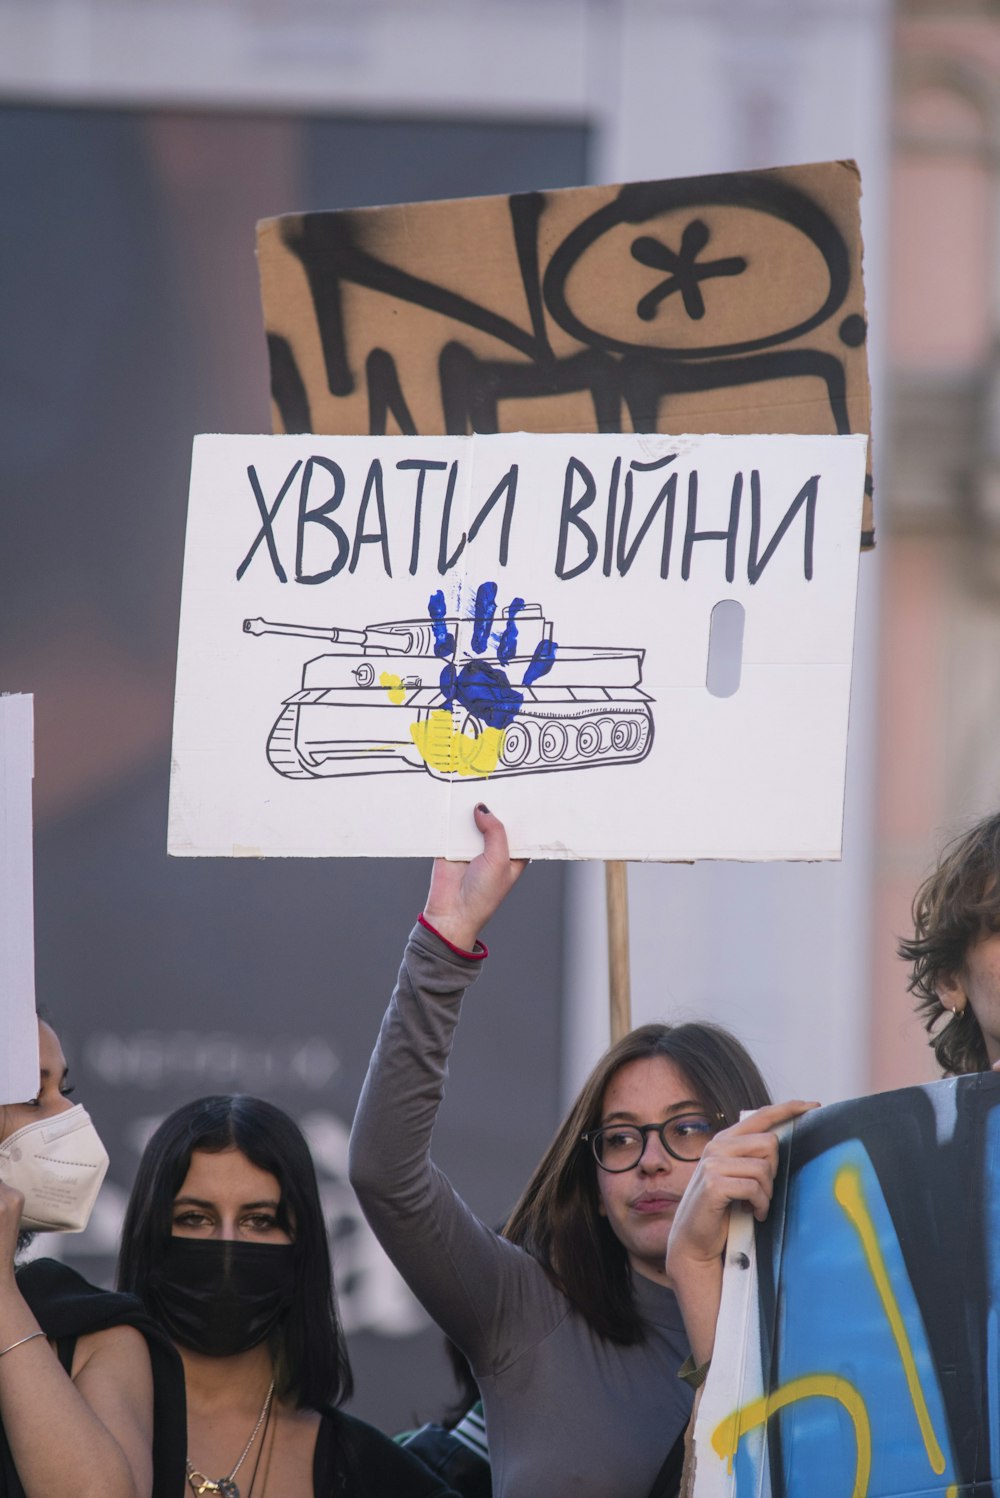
point(139, 142)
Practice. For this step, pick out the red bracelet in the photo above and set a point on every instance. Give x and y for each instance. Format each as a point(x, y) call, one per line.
point(482, 950)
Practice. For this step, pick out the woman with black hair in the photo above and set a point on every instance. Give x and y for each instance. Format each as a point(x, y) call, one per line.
point(568, 1318)
point(224, 1241)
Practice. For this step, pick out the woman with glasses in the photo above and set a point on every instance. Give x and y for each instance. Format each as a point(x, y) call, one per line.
point(567, 1318)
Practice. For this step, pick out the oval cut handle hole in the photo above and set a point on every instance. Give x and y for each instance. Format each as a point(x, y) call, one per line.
point(725, 648)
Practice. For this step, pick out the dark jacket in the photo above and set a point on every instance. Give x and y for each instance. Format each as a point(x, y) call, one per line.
point(354, 1460)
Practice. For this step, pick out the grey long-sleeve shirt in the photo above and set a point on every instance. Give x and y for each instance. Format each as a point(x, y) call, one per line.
point(568, 1413)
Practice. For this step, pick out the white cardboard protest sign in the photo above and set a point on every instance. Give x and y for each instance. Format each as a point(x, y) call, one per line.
point(378, 632)
point(18, 1027)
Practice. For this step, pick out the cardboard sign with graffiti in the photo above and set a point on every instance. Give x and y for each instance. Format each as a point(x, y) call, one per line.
point(730, 303)
point(857, 1347)
point(634, 647)
point(18, 1027)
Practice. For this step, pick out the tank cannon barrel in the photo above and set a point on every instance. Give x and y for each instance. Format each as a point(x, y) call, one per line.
point(330, 633)
point(399, 637)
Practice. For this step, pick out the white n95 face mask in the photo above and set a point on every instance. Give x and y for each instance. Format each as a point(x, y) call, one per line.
point(59, 1164)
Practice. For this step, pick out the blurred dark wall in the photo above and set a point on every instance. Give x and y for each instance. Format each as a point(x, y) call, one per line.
point(130, 321)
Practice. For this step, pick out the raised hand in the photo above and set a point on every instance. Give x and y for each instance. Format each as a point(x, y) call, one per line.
point(738, 1167)
point(463, 896)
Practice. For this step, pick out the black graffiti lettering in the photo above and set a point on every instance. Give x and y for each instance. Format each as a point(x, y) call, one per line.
point(570, 515)
point(473, 389)
point(421, 466)
point(385, 395)
point(320, 515)
point(267, 514)
point(685, 270)
point(322, 242)
point(526, 211)
point(288, 390)
point(807, 495)
point(647, 382)
point(373, 485)
point(640, 202)
point(326, 244)
point(691, 535)
point(627, 553)
point(616, 371)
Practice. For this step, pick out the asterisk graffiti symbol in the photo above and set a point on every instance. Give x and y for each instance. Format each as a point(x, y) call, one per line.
point(684, 273)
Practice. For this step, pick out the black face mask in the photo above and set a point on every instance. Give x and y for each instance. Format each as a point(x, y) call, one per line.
point(221, 1296)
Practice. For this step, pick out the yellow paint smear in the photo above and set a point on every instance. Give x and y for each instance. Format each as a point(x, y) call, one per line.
point(453, 753)
point(393, 685)
point(727, 1435)
point(849, 1193)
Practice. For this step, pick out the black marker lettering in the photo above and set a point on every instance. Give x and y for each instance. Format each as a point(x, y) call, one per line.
point(373, 485)
point(807, 496)
point(626, 553)
point(445, 563)
point(422, 466)
point(609, 526)
point(570, 515)
point(267, 515)
point(320, 516)
point(729, 535)
point(509, 484)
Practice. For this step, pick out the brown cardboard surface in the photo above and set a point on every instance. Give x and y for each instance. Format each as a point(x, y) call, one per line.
point(730, 303)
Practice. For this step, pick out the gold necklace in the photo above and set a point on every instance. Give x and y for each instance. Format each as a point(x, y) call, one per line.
point(226, 1486)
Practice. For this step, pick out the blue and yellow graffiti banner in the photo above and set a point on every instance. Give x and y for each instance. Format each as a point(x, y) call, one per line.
point(858, 1357)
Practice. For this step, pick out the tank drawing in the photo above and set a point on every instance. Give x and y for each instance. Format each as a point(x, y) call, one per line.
point(368, 701)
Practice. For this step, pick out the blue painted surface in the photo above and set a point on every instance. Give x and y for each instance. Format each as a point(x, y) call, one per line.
point(480, 687)
point(483, 614)
point(541, 661)
point(444, 640)
point(507, 642)
point(831, 1320)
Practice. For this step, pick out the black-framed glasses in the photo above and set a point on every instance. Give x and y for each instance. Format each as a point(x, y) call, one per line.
point(618, 1147)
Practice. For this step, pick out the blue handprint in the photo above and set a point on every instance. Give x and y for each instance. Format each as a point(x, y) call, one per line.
point(484, 690)
point(478, 686)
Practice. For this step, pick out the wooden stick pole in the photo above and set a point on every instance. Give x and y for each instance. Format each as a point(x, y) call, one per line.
point(619, 987)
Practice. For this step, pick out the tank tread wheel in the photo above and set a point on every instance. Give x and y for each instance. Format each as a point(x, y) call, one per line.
point(576, 739)
point(282, 752)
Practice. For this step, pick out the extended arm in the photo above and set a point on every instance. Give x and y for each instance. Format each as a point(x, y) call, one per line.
point(454, 1263)
point(738, 1166)
point(85, 1437)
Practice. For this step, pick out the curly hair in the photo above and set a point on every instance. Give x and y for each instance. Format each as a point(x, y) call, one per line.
point(956, 905)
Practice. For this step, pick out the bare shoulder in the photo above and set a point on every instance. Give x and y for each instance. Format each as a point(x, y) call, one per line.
point(120, 1347)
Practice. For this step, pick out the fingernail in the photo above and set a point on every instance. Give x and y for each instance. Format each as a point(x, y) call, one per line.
point(481, 806)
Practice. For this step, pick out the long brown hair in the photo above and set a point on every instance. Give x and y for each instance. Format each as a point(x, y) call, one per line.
point(557, 1219)
point(952, 909)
